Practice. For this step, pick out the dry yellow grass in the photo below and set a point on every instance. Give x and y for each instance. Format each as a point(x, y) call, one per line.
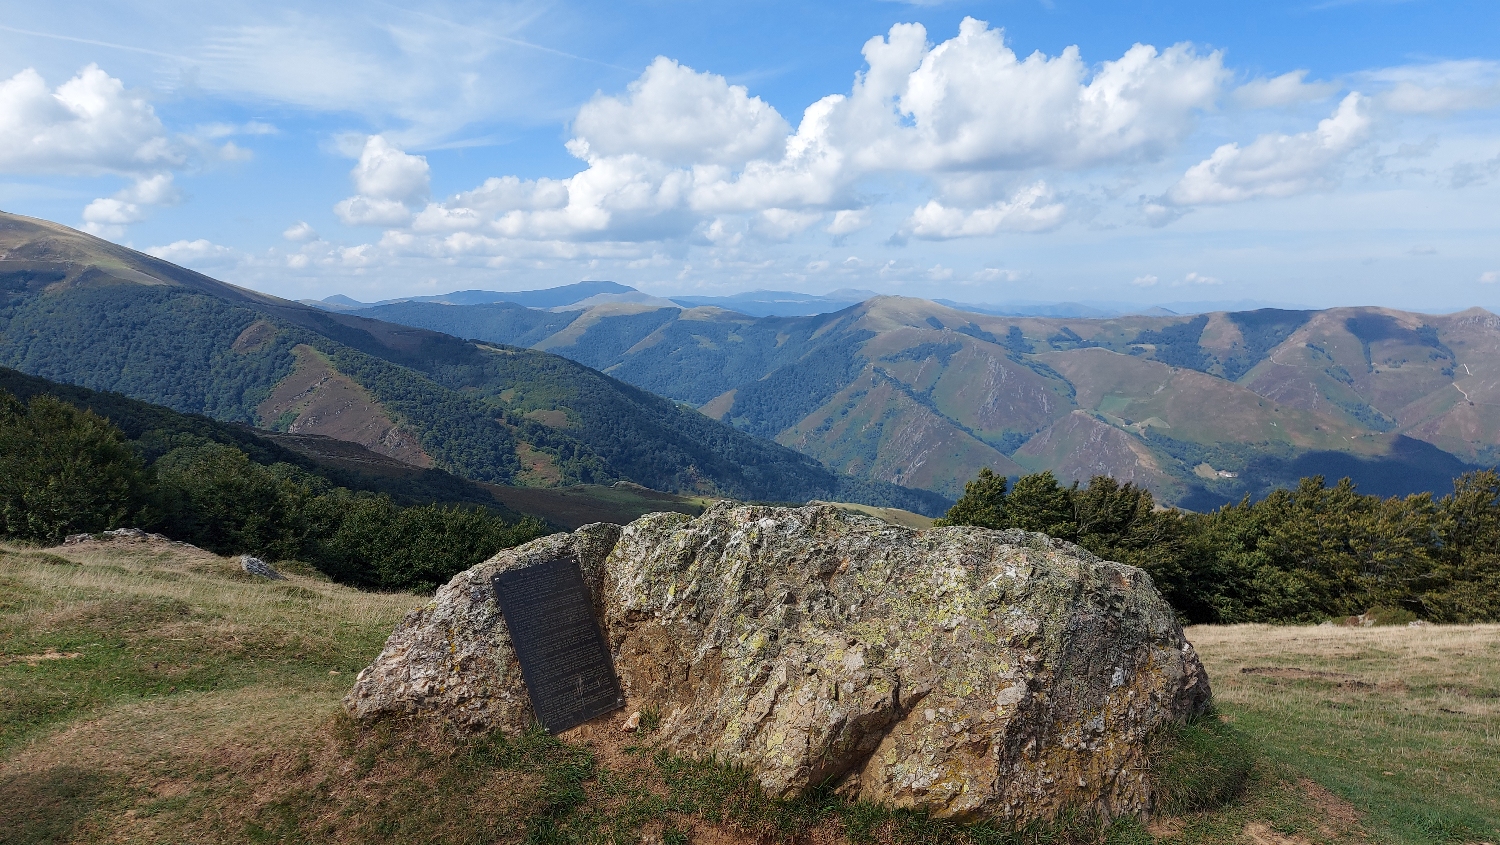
point(1404, 723)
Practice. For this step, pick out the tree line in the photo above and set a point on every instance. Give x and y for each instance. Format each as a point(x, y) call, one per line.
point(1306, 554)
point(65, 470)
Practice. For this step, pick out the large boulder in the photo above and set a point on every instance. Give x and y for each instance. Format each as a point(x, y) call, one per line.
point(962, 671)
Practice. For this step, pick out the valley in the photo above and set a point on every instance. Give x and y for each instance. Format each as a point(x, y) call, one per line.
point(79, 310)
point(891, 402)
point(1201, 409)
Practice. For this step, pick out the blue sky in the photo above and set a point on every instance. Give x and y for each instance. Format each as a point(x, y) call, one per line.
point(1321, 153)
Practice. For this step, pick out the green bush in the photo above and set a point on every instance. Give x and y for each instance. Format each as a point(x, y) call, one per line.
point(1301, 555)
point(63, 471)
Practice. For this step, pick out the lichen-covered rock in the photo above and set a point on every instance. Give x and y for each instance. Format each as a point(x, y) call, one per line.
point(452, 657)
point(962, 671)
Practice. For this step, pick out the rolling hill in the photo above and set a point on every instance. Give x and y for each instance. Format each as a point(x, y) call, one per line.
point(1203, 409)
point(79, 310)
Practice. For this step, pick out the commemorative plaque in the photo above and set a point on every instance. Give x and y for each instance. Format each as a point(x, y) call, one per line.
point(564, 660)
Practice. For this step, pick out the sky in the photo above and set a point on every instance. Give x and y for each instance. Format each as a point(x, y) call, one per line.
point(1315, 152)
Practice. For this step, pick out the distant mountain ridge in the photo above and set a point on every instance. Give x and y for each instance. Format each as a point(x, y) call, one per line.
point(1203, 409)
point(548, 298)
point(79, 310)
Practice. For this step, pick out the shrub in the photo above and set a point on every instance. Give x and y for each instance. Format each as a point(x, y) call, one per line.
point(63, 470)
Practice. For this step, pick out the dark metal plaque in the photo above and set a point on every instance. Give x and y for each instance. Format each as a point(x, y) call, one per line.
point(564, 659)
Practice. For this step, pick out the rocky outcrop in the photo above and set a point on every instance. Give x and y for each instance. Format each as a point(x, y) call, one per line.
point(963, 671)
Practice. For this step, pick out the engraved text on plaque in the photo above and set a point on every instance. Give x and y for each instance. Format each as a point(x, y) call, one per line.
point(564, 659)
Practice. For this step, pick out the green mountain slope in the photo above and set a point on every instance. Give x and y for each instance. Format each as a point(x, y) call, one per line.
point(79, 310)
point(1203, 409)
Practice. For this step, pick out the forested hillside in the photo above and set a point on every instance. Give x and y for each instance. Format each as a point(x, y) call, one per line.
point(1201, 409)
point(82, 311)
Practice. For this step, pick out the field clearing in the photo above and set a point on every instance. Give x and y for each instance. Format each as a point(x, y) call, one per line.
point(1403, 723)
point(152, 692)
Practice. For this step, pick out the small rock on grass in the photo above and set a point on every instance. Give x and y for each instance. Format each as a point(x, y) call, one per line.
point(256, 566)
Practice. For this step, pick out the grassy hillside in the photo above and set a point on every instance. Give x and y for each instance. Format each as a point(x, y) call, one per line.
point(153, 693)
point(1203, 409)
point(79, 310)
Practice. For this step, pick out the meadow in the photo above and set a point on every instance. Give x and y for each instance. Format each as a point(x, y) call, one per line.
point(152, 692)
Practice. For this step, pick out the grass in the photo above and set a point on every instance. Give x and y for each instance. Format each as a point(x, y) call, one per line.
point(1402, 723)
point(153, 693)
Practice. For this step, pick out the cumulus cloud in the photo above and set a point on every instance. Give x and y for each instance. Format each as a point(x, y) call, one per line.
point(1276, 165)
point(384, 172)
point(676, 115)
point(1284, 90)
point(1489, 277)
point(679, 147)
point(389, 182)
point(1032, 209)
point(1145, 281)
point(108, 217)
point(89, 125)
point(971, 101)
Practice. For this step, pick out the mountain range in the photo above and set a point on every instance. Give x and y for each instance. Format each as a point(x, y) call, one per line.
point(1202, 409)
point(890, 401)
point(79, 310)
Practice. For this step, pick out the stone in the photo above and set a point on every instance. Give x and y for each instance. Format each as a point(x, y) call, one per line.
point(632, 723)
point(258, 567)
point(961, 671)
point(452, 657)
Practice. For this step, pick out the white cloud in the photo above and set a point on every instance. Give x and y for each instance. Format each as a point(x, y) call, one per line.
point(1489, 277)
point(1276, 165)
point(384, 172)
point(198, 252)
point(368, 211)
point(214, 131)
point(1284, 90)
point(300, 232)
point(676, 115)
point(107, 217)
point(780, 224)
point(89, 125)
point(1032, 209)
point(1439, 87)
point(1200, 279)
point(1145, 281)
point(680, 145)
point(848, 220)
point(995, 274)
point(389, 182)
point(156, 189)
point(971, 102)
